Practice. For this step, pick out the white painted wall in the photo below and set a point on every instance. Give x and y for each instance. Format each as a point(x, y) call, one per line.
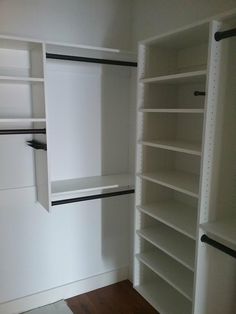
point(94, 22)
point(153, 17)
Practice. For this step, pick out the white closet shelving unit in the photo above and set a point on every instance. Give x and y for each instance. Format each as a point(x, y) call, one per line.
point(22, 113)
point(23, 85)
point(177, 165)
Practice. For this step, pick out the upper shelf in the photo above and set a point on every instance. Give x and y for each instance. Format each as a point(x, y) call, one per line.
point(89, 185)
point(90, 52)
point(223, 231)
point(194, 76)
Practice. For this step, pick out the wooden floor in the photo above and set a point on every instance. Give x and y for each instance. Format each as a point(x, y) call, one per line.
point(119, 298)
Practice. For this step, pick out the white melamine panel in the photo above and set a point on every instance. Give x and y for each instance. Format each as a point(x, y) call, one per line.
point(223, 231)
point(189, 77)
point(21, 120)
point(175, 214)
point(67, 188)
point(174, 244)
point(192, 148)
point(20, 80)
point(89, 133)
point(164, 298)
point(176, 180)
point(183, 110)
point(91, 52)
point(172, 272)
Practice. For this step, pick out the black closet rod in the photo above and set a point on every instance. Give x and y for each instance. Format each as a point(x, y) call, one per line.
point(225, 34)
point(22, 131)
point(218, 246)
point(91, 60)
point(92, 197)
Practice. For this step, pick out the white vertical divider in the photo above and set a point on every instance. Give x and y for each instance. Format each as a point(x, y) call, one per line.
point(207, 184)
point(42, 157)
point(138, 195)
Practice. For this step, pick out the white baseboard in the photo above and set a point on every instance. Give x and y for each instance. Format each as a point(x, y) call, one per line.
point(64, 292)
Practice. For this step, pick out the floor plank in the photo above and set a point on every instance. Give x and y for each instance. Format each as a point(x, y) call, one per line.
point(119, 298)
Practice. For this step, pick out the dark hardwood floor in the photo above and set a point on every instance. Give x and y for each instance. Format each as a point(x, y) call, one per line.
point(119, 298)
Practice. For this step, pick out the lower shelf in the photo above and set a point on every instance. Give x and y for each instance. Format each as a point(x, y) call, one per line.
point(179, 247)
point(174, 214)
point(172, 272)
point(223, 231)
point(81, 187)
point(164, 298)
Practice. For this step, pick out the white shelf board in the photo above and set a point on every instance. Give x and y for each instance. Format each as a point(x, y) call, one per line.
point(166, 268)
point(223, 231)
point(174, 214)
point(177, 180)
point(21, 120)
point(91, 185)
point(15, 79)
point(172, 110)
point(172, 243)
point(177, 78)
point(187, 147)
point(164, 298)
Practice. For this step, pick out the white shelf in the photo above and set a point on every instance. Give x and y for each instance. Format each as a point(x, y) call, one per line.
point(164, 298)
point(223, 231)
point(91, 185)
point(172, 243)
point(15, 79)
point(180, 181)
point(171, 110)
point(192, 148)
point(174, 214)
point(23, 120)
point(173, 273)
point(195, 76)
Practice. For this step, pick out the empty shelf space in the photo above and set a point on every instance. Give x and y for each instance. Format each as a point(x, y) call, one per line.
point(66, 188)
point(194, 76)
point(172, 243)
point(187, 147)
point(174, 214)
point(164, 298)
point(172, 272)
point(15, 79)
point(177, 180)
point(171, 110)
point(223, 231)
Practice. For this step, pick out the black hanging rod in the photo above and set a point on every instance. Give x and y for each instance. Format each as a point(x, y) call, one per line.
point(225, 34)
point(218, 246)
point(199, 93)
point(91, 60)
point(22, 131)
point(92, 197)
